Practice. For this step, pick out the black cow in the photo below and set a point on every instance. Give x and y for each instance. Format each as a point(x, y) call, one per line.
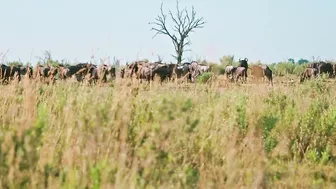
point(314, 65)
point(181, 71)
point(268, 73)
point(322, 67)
point(243, 63)
point(164, 71)
point(326, 68)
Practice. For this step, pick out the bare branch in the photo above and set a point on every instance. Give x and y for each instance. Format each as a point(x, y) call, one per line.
point(177, 26)
point(184, 22)
point(161, 23)
point(186, 44)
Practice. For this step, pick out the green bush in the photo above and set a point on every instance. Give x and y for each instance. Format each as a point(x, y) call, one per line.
point(315, 131)
point(205, 77)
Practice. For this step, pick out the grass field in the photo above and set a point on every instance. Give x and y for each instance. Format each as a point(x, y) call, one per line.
point(212, 135)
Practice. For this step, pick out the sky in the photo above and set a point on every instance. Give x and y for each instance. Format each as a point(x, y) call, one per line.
point(265, 30)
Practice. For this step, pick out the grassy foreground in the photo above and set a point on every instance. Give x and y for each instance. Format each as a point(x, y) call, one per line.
point(198, 136)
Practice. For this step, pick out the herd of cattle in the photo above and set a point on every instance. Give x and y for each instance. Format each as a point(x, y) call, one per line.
point(49, 74)
point(190, 71)
point(313, 70)
point(103, 73)
point(240, 71)
point(316, 69)
point(148, 71)
point(141, 70)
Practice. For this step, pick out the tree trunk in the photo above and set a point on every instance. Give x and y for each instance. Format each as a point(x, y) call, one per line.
point(179, 57)
point(179, 52)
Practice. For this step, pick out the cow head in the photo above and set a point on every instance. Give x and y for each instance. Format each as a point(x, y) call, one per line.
point(243, 60)
point(243, 63)
point(23, 70)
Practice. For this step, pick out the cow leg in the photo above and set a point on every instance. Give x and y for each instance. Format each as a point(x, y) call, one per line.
point(270, 82)
point(245, 76)
point(149, 78)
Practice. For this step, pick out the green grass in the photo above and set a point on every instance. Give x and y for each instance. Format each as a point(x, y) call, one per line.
point(189, 136)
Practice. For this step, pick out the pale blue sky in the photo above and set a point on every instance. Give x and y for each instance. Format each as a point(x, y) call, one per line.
point(266, 30)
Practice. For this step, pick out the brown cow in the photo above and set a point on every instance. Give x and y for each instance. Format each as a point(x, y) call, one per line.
point(64, 72)
point(51, 76)
point(146, 71)
point(131, 70)
point(87, 72)
point(308, 73)
point(40, 72)
point(262, 71)
point(45, 74)
point(140, 70)
point(93, 74)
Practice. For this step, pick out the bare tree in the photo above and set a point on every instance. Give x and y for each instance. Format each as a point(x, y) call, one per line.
point(184, 23)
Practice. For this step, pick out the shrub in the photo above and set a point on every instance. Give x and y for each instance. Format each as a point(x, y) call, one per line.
point(205, 77)
point(314, 132)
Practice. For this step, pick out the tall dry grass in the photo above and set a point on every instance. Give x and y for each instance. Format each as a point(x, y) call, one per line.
point(171, 136)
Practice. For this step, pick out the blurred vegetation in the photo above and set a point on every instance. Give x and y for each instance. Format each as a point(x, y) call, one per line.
point(193, 136)
point(70, 136)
